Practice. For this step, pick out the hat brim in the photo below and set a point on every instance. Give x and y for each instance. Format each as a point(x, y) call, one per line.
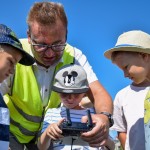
point(109, 52)
point(70, 91)
point(26, 59)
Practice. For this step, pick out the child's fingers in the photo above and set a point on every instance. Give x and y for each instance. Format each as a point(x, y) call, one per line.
point(54, 131)
point(60, 121)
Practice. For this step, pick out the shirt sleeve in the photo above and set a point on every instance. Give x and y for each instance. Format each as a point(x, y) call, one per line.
point(47, 120)
point(80, 59)
point(52, 116)
point(118, 116)
point(6, 85)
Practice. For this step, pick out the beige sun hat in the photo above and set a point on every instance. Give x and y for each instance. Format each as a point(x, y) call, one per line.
point(134, 41)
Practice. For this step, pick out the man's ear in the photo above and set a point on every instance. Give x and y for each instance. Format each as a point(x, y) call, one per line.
point(29, 36)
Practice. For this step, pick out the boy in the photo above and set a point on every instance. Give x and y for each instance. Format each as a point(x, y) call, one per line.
point(131, 55)
point(71, 84)
point(11, 53)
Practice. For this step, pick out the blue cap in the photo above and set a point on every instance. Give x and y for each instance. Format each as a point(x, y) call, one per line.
point(7, 36)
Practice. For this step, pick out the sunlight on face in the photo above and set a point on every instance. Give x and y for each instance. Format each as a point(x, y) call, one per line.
point(47, 36)
point(71, 100)
point(133, 65)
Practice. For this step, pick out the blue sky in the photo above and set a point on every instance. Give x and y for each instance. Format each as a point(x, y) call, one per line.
point(93, 27)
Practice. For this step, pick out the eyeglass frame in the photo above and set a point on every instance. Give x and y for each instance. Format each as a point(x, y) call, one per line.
point(48, 46)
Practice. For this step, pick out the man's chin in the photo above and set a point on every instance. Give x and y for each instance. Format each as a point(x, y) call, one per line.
point(46, 64)
point(50, 64)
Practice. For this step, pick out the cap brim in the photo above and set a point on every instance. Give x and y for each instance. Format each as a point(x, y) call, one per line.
point(108, 53)
point(73, 90)
point(27, 59)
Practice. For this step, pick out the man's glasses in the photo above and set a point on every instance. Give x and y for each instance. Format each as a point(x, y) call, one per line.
point(44, 47)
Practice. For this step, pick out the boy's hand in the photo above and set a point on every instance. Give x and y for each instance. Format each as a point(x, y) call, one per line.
point(53, 131)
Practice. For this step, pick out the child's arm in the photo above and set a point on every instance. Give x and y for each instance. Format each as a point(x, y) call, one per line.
point(52, 132)
point(122, 138)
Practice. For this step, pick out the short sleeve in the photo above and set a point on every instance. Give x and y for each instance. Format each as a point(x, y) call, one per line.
point(81, 59)
point(118, 116)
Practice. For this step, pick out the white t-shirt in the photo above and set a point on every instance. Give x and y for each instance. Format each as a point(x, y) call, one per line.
point(129, 115)
point(54, 115)
point(44, 76)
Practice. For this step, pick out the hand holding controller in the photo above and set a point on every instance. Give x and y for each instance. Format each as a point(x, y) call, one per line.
point(75, 128)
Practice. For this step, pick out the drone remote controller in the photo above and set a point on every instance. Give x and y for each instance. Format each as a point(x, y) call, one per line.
point(70, 128)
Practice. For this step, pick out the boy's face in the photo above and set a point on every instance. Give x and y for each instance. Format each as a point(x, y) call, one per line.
point(134, 65)
point(71, 100)
point(9, 56)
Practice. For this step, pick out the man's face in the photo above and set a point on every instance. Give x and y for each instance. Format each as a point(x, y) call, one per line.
point(47, 35)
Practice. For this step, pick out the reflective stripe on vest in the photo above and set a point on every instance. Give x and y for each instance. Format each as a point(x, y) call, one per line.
point(22, 129)
point(36, 119)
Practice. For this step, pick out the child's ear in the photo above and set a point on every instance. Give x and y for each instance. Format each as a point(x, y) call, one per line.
point(145, 56)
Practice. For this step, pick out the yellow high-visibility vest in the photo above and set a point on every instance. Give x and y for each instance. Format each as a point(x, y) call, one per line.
point(25, 104)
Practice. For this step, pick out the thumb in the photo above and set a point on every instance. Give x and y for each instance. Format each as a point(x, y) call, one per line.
point(61, 121)
point(84, 119)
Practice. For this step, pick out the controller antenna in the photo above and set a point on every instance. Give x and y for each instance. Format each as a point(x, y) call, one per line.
point(90, 124)
point(68, 117)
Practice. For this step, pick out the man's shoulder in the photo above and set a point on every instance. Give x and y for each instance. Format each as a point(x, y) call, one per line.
point(25, 44)
point(77, 50)
point(24, 41)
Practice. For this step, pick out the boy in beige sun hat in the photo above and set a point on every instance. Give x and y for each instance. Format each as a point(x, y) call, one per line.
point(131, 105)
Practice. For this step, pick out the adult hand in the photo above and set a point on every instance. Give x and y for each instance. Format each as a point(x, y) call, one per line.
point(99, 134)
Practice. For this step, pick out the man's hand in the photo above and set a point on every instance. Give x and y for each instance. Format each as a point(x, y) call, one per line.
point(99, 134)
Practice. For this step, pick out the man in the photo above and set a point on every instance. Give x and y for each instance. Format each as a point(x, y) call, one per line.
point(47, 35)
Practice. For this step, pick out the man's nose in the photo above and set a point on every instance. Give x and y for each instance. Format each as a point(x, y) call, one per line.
point(49, 52)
